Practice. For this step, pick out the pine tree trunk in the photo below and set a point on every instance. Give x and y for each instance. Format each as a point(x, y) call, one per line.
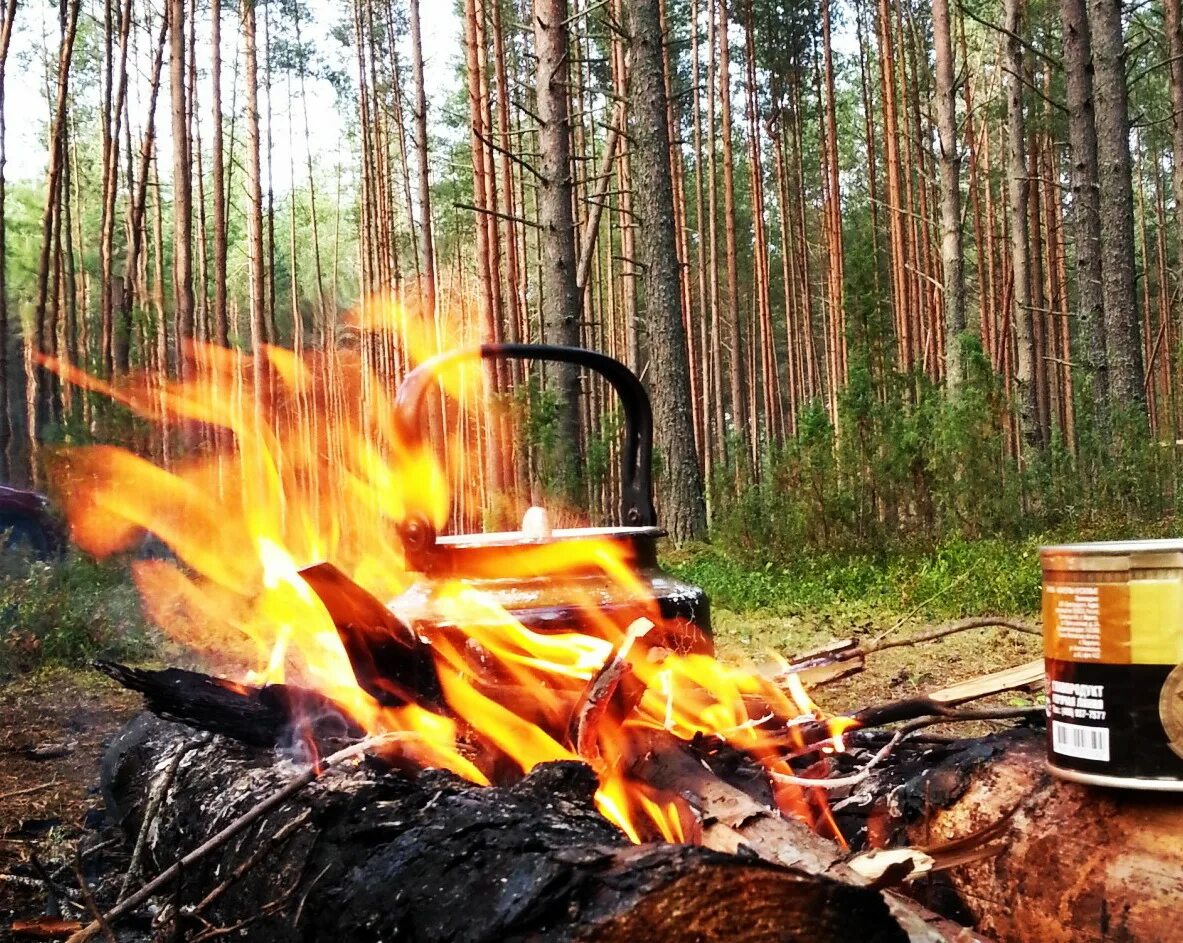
point(560, 292)
point(218, 176)
point(139, 202)
point(900, 300)
point(258, 280)
point(1127, 391)
point(421, 147)
point(182, 190)
point(110, 168)
point(733, 339)
point(38, 389)
point(5, 405)
point(1086, 209)
point(683, 508)
point(832, 215)
point(952, 259)
point(1174, 31)
point(1020, 262)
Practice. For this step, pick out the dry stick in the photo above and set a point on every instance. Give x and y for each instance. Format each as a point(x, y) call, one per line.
point(853, 652)
point(944, 716)
point(277, 798)
point(964, 625)
point(600, 689)
point(902, 620)
point(91, 905)
point(26, 790)
point(155, 800)
point(249, 862)
point(588, 243)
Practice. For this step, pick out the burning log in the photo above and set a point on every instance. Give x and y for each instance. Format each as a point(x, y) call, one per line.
point(376, 856)
point(356, 823)
point(1074, 863)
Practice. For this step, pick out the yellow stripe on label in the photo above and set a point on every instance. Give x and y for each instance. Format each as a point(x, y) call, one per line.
point(1156, 621)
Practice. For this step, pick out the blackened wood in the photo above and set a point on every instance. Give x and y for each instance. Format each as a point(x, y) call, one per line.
point(384, 857)
point(389, 661)
point(260, 716)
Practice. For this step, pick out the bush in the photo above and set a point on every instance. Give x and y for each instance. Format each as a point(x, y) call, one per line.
point(68, 612)
point(907, 465)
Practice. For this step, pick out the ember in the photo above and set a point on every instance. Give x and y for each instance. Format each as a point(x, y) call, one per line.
point(306, 460)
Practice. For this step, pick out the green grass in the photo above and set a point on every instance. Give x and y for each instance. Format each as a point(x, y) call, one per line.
point(67, 613)
point(954, 579)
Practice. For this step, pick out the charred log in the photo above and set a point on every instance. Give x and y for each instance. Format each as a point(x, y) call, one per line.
point(259, 716)
point(380, 856)
point(1072, 863)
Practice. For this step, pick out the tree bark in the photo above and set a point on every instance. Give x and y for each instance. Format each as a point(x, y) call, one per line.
point(421, 147)
point(370, 855)
point(732, 341)
point(218, 176)
point(832, 215)
point(684, 510)
point(952, 258)
point(38, 391)
point(5, 405)
point(1086, 208)
point(1018, 190)
point(182, 275)
point(559, 290)
point(139, 203)
point(1127, 389)
point(1174, 31)
point(1117, 857)
point(258, 280)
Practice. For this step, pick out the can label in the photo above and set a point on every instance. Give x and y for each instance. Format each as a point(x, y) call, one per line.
point(1087, 622)
point(1106, 719)
point(1114, 690)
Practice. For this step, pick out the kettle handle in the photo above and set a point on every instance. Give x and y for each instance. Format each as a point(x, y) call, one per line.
point(636, 499)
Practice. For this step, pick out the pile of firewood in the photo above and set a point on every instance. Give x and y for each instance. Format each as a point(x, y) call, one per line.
point(224, 833)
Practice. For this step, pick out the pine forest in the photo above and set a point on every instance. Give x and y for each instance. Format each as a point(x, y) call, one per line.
point(886, 268)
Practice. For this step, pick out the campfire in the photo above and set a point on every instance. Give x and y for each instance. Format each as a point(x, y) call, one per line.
point(414, 732)
point(481, 654)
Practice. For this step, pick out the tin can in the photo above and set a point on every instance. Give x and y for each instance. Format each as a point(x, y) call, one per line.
point(1113, 643)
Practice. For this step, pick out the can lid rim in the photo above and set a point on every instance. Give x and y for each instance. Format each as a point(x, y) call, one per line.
point(1111, 548)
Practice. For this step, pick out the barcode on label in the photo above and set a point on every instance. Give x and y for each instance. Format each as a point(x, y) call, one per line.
point(1084, 743)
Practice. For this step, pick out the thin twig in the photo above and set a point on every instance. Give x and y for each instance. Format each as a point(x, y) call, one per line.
point(260, 809)
point(839, 782)
point(249, 862)
point(28, 789)
point(155, 798)
point(907, 617)
point(950, 629)
point(88, 897)
point(943, 716)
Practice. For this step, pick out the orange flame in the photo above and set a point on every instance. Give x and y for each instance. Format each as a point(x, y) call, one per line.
point(295, 460)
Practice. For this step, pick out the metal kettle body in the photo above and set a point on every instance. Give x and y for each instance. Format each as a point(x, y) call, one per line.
point(582, 580)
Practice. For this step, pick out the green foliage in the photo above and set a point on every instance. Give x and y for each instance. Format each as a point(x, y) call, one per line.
point(913, 500)
point(956, 578)
point(68, 612)
point(909, 463)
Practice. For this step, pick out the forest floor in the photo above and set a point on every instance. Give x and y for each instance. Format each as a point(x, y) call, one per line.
point(58, 720)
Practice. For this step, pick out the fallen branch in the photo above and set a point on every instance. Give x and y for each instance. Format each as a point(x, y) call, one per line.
point(159, 791)
point(28, 789)
point(849, 650)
